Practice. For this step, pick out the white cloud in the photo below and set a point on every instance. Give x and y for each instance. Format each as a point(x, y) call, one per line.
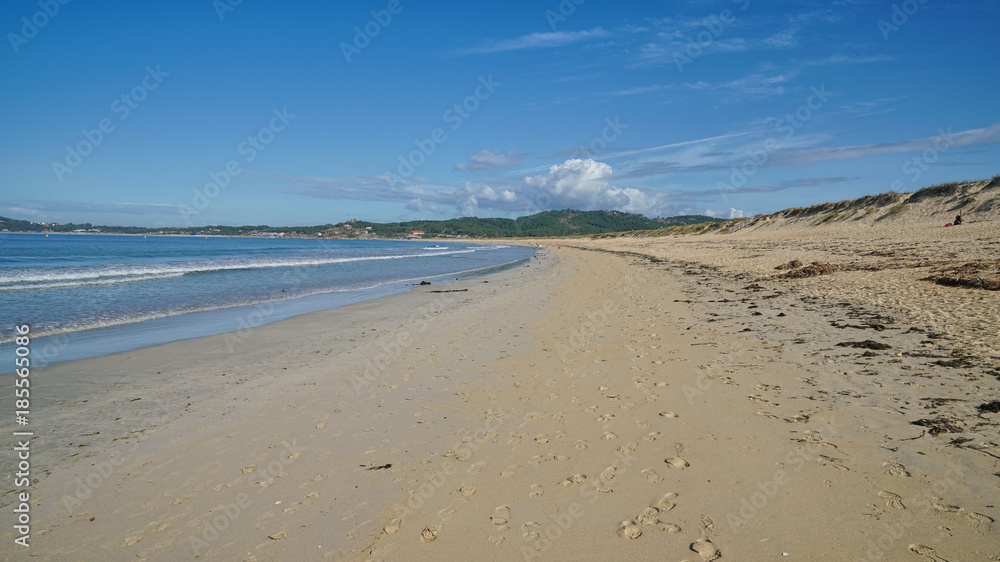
point(944, 140)
point(418, 206)
point(538, 40)
point(490, 160)
point(755, 86)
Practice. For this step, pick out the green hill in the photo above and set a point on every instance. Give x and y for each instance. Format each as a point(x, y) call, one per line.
point(544, 224)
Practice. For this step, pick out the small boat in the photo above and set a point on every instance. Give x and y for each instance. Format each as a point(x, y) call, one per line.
point(435, 248)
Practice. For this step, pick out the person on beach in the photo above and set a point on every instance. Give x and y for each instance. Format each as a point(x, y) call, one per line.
point(958, 220)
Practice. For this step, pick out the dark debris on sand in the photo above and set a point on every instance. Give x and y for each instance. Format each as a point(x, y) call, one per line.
point(972, 275)
point(939, 425)
point(866, 344)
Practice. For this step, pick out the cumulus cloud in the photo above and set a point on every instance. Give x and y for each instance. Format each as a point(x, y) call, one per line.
point(583, 184)
point(490, 160)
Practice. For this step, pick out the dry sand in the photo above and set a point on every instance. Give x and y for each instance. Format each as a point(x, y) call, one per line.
point(659, 398)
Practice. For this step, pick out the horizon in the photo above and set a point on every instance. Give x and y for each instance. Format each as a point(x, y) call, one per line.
point(395, 111)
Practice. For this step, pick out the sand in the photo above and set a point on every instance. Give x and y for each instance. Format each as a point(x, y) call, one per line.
point(628, 398)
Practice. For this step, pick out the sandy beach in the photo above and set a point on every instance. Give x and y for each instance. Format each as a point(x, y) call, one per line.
point(622, 398)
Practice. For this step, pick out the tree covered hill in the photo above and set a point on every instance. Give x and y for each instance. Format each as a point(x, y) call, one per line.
point(544, 224)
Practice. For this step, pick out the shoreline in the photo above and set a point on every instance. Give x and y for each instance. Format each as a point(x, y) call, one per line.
point(120, 336)
point(590, 404)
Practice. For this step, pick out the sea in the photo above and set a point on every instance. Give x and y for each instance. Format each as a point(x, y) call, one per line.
point(86, 295)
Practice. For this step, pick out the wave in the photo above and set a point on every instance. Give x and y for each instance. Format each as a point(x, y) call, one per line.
point(123, 273)
point(145, 316)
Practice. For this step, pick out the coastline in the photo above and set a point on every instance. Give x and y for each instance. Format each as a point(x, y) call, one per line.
point(160, 329)
point(529, 417)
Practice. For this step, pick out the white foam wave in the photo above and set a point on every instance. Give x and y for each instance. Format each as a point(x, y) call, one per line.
point(106, 275)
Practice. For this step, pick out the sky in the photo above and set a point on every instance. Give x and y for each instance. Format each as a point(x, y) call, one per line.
point(188, 113)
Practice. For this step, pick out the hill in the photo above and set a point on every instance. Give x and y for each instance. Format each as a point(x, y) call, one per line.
point(547, 224)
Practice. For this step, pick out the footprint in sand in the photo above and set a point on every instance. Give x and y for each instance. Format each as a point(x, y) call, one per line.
point(500, 515)
point(392, 527)
point(947, 508)
point(651, 516)
point(668, 415)
point(605, 417)
point(892, 500)
point(706, 550)
point(498, 537)
point(575, 479)
point(536, 491)
point(609, 436)
point(429, 534)
point(591, 409)
point(831, 461)
point(581, 444)
point(609, 473)
point(321, 425)
point(676, 462)
point(628, 448)
point(977, 518)
point(509, 473)
point(652, 475)
point(530, 531)
point(467, 490)
point(476, 467)
point(602, 487)
point(651, 436)
point(927, 552)
point(666, 503)
point(629, 530)
point(896, 469)
point(542, 439)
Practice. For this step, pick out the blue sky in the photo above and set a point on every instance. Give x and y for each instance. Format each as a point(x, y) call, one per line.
point(296, 112)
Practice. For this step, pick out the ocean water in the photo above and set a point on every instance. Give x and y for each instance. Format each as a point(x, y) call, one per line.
point(91, 294)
